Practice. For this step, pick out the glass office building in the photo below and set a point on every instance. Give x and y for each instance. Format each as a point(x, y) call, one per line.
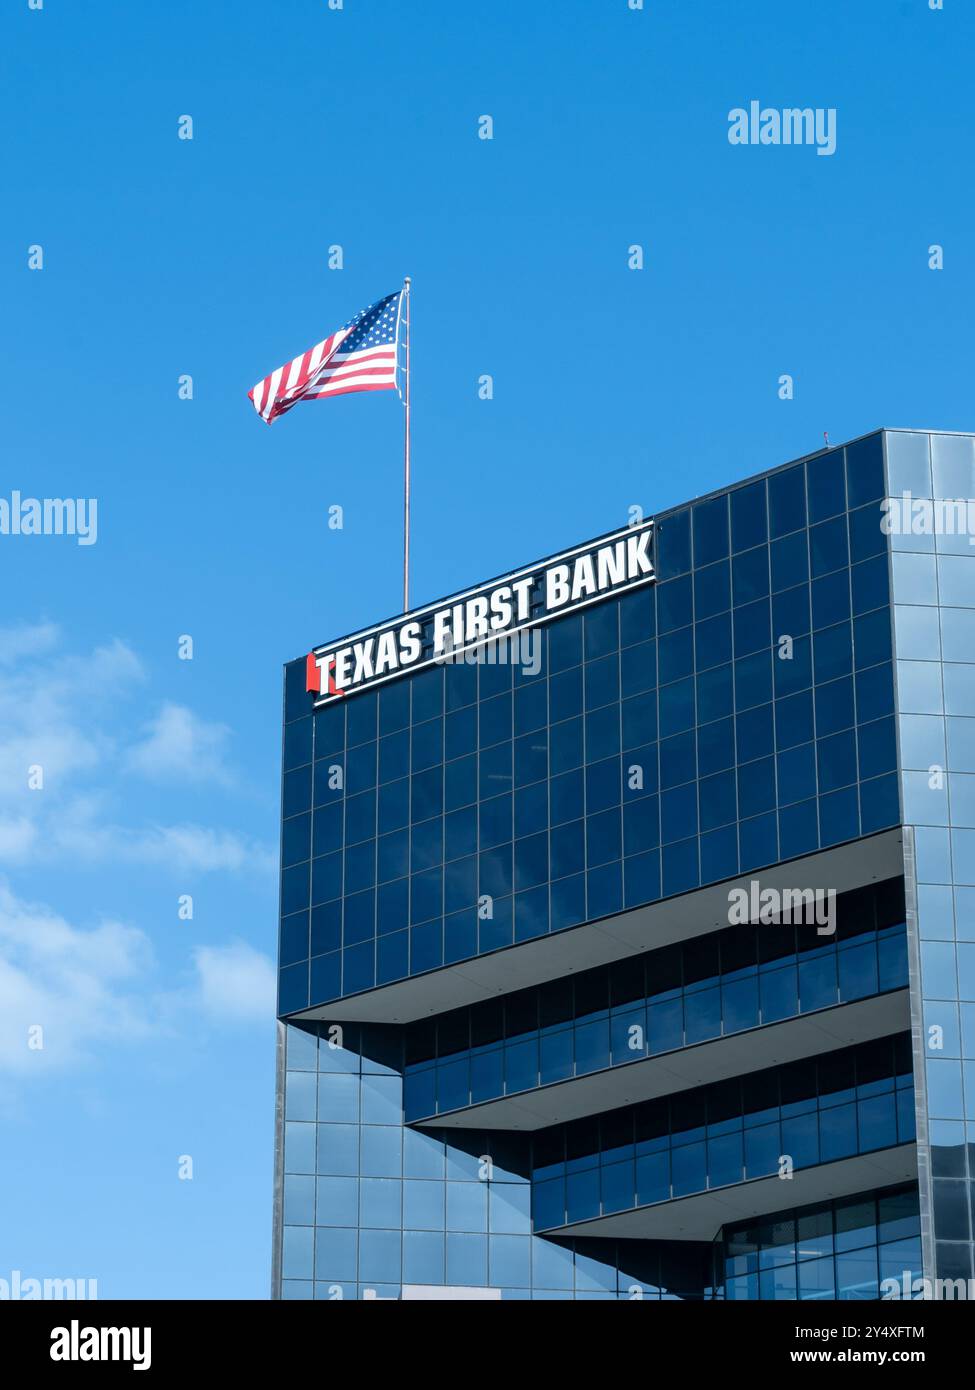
point(638, 961)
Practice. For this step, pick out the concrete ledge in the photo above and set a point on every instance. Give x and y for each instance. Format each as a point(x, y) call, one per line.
point(848, 866)
point(701, 1216)
point(769, 1045)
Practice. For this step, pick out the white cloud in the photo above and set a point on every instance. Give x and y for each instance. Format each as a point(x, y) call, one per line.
point(58, 712)
point(83, 832)
point(26, 639)
point(235, 982)
point(199, 847)
point(76, 989)
point(179, 746)
point(57, 750)
point(18, 836)
point(76, 986)
point(54, 708)
point(111, 669)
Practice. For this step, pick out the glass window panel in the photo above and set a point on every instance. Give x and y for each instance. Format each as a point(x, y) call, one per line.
point(908, 465)
point(961, 746)
point(856, 1275)
point(674, 603)
point(830, 599)
point(689, 1168)
point(953, 465)
point(673, 543)
point(712, 590)
point(915, 639)
point(710, 526)
point(957, 634)
point(467, 1206)
point(838, 1132)
point(826, 485)
point(915, 578)
point(749, 525)
point(959, 688)
point(870, 585)
point(787, 500)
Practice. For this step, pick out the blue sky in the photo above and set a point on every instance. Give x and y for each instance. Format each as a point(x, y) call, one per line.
point(311, 128)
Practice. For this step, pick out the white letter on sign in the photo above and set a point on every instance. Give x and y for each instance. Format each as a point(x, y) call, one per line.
point(557, 586)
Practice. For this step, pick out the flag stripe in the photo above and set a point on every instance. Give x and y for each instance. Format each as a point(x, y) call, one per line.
point(347, 390)
point(349, 384)
point(352, 369)
point(338, 359)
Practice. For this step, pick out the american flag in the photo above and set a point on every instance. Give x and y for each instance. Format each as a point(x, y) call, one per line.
point(361, 356)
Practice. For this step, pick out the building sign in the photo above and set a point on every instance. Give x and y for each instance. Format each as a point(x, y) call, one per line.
point(444, 631)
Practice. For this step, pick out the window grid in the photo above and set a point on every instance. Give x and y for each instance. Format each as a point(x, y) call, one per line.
point(582, 843)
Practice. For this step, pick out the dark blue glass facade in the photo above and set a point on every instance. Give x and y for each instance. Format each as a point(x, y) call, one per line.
point(372, 1206)
point(838, 1250)
point(707, 988)
point(850, 1102)
point(523, 1038)
point(736, 713)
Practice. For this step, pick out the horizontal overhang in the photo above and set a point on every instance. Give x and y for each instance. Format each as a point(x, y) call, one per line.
point(701, 1216)
point(842, 868)
point(770, 1045)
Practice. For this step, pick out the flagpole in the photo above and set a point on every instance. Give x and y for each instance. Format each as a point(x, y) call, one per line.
point(406, 457)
